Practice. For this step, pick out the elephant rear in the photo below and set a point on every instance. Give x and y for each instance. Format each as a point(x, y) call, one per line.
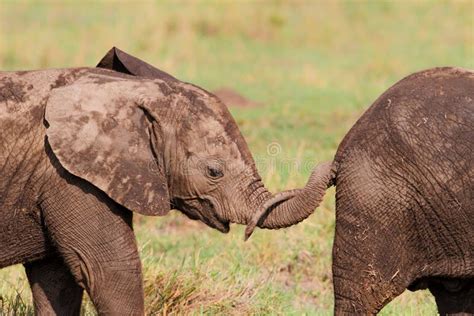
point(404, 191)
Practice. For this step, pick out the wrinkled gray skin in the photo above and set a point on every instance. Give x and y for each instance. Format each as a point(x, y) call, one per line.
point(404, 197)
point(81, 148)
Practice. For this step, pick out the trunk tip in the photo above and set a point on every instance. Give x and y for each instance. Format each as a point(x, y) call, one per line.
point(248, 231)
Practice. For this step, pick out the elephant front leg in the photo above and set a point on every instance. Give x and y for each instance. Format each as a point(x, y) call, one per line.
point(95, 238)
point(54, 289)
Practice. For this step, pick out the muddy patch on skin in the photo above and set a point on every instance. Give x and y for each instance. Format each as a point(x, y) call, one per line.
point(230, 97)
point(67, 77)
point(14, 91)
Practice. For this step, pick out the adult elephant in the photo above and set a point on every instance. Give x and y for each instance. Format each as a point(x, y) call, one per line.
point(404, 197)
point(82, 148)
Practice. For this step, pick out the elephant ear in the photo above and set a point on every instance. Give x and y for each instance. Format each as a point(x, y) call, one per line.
point(108, 136)
point(118, 60)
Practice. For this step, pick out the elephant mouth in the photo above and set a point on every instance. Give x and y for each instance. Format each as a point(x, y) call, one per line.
point(203, 210)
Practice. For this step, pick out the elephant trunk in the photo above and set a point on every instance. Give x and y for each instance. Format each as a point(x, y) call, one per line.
point(290, 207)
point(256, 200)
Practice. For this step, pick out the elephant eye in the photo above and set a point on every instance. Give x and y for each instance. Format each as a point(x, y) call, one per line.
point(214, 172)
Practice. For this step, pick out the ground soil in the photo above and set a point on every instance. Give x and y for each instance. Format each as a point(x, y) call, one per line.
point(233, 98)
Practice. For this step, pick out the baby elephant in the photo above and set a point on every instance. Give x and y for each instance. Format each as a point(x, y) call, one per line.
point(404, 197)
point(81, 148)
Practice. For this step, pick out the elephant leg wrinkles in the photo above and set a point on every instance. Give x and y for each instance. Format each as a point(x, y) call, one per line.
point(95, 238)
point(55, 292)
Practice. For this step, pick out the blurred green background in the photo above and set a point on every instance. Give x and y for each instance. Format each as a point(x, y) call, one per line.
point(307, 69)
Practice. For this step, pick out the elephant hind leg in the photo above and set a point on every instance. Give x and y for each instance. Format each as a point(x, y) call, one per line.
point(368, 267)
point(363, 282)
point(453, 296)
point(53, 287)
point(371, 264)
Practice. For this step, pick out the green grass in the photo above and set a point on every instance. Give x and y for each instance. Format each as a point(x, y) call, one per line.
point(314, 67)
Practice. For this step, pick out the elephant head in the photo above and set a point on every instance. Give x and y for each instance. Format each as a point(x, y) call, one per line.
point(218, 181)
